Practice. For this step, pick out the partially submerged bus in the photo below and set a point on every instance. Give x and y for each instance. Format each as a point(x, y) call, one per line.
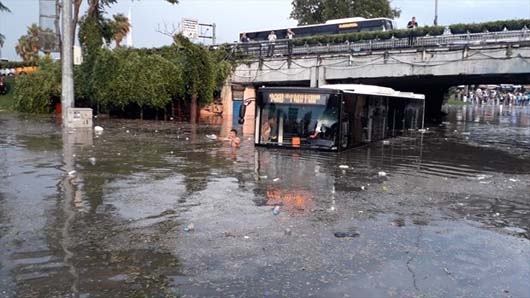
point(334, 117)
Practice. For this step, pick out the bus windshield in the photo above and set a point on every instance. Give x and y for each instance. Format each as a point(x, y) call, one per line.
point(299, 119)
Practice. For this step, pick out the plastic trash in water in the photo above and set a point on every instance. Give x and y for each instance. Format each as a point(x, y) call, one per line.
point(276, 210)
point(92, 160)
point(276, 179)
point(72, 173)
point(189, 227)
point(381, 174)
point(386, 142)
point(212, 137)
point(343, 167)
point(98, 130)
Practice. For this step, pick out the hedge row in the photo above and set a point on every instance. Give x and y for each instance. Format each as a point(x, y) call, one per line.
point(421, 31)
point(495, 26)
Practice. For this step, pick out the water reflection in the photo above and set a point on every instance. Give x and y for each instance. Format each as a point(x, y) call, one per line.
point(118, 226)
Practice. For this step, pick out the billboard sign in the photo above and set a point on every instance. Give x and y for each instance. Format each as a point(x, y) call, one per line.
point(190, 28)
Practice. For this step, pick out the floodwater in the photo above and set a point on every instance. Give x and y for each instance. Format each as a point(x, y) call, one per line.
point(156, 209)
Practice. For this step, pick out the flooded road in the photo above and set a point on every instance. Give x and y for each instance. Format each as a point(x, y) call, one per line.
point(153, 209)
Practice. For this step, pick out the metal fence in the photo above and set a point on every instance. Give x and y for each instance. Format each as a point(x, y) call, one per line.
point(284, 47)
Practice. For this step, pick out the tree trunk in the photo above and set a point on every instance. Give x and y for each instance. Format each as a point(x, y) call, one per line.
point(75, 18)
point(193, 109)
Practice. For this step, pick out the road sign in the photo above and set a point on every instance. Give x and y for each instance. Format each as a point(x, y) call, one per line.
point(190, 28)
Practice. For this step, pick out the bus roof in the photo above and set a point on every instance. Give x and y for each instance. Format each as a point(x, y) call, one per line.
point(328, 22)
point(372, 89)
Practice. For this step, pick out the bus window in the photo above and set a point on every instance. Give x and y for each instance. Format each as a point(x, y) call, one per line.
point(301, 123)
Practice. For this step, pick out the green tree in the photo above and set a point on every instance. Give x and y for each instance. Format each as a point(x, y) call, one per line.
point(308, 12)
point(93, 81)
point(35, 92)
point(144, 80)
point(198, 73)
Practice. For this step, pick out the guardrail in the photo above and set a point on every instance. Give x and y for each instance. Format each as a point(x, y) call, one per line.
point(285, 47)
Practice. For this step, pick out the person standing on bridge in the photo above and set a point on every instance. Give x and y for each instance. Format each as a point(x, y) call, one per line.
point(412, 25)
point(272, 41)
point(290, 35)
point(245, 40)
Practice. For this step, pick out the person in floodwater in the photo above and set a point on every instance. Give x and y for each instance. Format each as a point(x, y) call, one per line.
point(267, 133)
point(234, 140)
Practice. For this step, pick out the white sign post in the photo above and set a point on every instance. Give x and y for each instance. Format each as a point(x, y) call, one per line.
point(190, 28)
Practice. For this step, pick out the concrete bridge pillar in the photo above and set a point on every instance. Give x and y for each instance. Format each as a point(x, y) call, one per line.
point(434, 96)
point(318, 76)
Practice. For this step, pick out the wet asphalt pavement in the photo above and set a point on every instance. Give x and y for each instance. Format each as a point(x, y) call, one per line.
point(156, 209)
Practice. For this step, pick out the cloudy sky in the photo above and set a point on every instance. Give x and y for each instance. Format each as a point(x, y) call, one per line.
point(234, 16)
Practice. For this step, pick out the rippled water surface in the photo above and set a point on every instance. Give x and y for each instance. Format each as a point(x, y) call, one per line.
point(156, 209)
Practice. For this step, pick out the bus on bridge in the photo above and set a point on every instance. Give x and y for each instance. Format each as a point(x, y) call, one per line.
point(334, 117)
point(337, 26)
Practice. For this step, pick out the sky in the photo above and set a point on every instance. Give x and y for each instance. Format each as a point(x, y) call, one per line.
point(234, 16)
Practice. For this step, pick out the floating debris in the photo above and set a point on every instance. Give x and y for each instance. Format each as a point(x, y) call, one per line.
point(387, 142)
point(276, 210)
point(344, 167)
point(350, 234)
point(276, 179)
point(189, 227)
point(515, 230)
point(92, 160)
point(381, 174)
point(98, 129)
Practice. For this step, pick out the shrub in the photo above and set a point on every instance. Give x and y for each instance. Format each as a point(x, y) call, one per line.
point(494, 26)
point(515, 24)
point(458, 28)
point(35, 92)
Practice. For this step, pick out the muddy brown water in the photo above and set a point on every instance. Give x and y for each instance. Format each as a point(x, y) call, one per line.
point(156, 209)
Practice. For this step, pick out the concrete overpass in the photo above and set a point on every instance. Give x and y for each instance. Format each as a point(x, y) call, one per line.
point(430, 66)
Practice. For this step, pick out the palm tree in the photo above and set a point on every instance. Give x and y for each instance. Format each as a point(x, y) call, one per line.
point(22, 48)
point(2, 37)
point(120, 26)
point(29, 45)
point(3, 7)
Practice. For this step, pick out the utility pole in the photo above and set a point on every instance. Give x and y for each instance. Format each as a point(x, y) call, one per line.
point(67, 81)
point(435, 12)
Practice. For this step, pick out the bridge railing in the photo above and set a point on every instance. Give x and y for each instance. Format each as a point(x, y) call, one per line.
point(284, 47)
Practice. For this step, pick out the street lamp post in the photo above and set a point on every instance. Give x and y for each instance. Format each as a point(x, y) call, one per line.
point(435, 12)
